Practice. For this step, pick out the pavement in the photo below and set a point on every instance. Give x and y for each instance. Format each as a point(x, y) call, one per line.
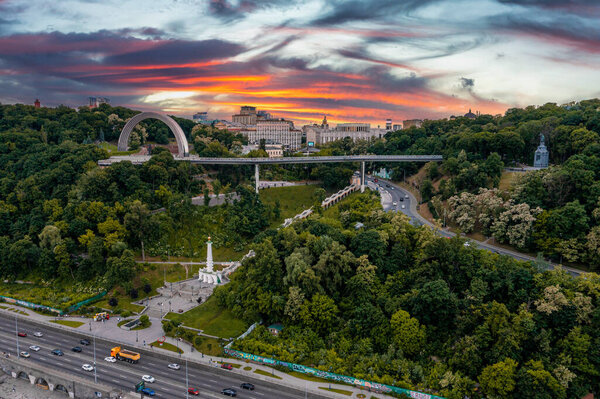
point(394, 193)
point(204, 371)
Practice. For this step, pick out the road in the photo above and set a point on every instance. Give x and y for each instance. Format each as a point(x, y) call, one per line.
point(169, 383)
point(397, 194)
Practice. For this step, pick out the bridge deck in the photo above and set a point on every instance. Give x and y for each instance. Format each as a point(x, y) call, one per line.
point(139, 159)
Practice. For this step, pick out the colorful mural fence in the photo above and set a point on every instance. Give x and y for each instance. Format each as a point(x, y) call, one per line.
point(374, 386)
point(29, 305)
point(61, 312)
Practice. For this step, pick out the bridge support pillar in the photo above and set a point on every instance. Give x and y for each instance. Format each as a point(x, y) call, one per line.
point(256, 176)
point(362, 177)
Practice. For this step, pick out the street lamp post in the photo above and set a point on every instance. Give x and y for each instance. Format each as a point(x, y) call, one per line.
point(17, 334)
point(136, 336)
point(273, 369)
point(330, 380)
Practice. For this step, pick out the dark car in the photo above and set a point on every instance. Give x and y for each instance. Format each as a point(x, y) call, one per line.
point(76, 349)
point(84, 342)
point(387, 185)
point(226, 366)
point(247, 385)
point(401, 199)
point(194, 391)
point(148, 391)
point(22, 334)
point(229, 392)
point(57, 352)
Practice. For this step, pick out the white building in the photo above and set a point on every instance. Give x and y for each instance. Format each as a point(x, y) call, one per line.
point(322, 134)
point(275, 131)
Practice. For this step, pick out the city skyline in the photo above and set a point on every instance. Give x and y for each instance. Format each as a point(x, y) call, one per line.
point(349, 60)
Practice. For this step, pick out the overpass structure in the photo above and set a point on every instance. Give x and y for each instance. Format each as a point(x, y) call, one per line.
point(139, 159)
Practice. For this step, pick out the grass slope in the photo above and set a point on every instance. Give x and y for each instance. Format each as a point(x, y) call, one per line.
point(212, 319)
point(292, 200)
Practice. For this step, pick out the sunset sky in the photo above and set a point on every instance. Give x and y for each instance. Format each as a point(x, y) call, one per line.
point(350, 60)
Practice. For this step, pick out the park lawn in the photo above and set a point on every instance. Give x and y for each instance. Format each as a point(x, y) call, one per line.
point(119, 324)
point(124, 304)
point(68, 323)
point(209, 346)
point(56, 295)
point(307, 377)
point(292, 200)
point(340, 391)
point(507, 179)
point(266, 373)
point(166, 346)
point(212, 319)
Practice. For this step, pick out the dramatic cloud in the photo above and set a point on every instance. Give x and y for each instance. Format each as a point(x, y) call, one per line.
point(350, 60)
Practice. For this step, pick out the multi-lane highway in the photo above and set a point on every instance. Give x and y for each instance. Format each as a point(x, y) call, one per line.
point(169, 383)
point(392, 193)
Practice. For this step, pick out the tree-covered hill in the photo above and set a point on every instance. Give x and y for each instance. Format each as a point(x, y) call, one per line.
point(393, 303)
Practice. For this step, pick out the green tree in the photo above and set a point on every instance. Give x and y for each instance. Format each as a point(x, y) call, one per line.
point(498, 381)
point(409, 335)
point(320, 314)
point(140, 223)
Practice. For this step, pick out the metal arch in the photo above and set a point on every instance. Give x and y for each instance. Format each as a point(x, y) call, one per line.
point(182, 143)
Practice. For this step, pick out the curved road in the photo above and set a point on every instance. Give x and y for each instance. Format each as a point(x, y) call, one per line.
point(407, 203)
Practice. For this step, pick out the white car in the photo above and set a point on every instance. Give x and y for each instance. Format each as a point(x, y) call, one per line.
point(403, 206)
point(148, 378)
point(174, 366)
point(87, 367)
point(24, 354)
point(38, 334)
point(35, 348)
point(406, 196)
point(467, 244)
point(110, 359)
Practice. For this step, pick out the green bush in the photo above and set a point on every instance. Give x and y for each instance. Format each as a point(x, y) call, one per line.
point(144, 321)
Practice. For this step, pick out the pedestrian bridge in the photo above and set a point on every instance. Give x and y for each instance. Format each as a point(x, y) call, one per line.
point(140, 159)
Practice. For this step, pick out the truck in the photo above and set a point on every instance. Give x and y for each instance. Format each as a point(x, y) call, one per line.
point(123, 354)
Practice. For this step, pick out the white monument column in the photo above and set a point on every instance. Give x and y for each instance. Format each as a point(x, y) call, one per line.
point(209, 259)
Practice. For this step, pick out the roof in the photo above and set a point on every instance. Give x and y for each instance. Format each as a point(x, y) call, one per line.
point(276, 326)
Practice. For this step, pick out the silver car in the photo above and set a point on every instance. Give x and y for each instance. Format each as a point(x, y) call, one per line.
point(174, 366)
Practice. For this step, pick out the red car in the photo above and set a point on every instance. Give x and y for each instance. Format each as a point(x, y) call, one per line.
point(194, 391)
point(22, 334)
point(226, 366)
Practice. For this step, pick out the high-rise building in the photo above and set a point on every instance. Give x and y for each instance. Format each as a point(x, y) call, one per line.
point(247, 116)
point(321, 134)
point(200, 117)
point(397, 127)
point(263, 115)
point(96, 101)
point(275, 131)
point(388, 124)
